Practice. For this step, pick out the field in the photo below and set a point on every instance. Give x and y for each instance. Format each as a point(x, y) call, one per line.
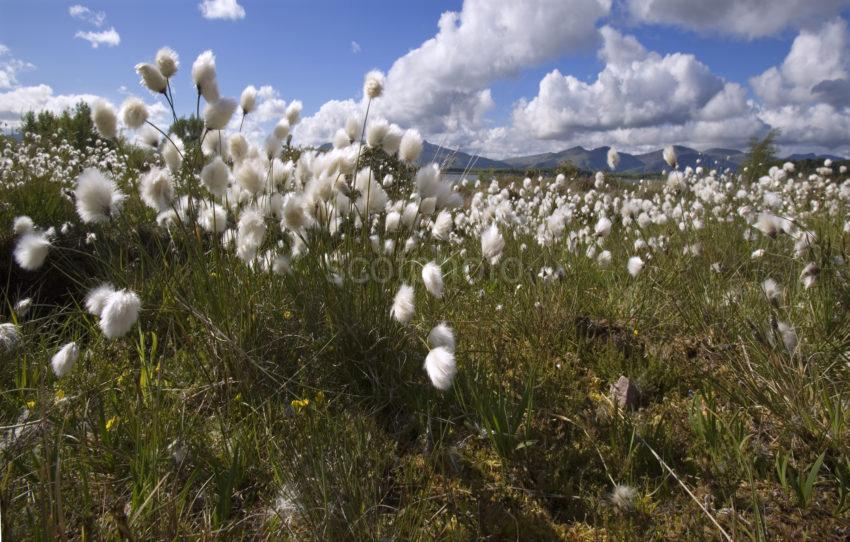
point(206, 339)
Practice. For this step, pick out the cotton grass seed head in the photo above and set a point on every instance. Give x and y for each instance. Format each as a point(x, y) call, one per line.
point(96, 298)
point(218, 113)
point(134, 112)
point(9, 336)
point(167, 61)
point(432, 276)
point(31, 250)
point(441, 367)
point(373, 85)
point(442, 335)
point(152, 78)
point(410, 147)
point(98, 198)
point(104, 118)
point(248, 100)
point(63, 360)
point(120, 313)
point(216, 176)
point(403, 304)
point(22, 225)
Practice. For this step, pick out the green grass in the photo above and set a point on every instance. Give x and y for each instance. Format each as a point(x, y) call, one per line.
point(247, 405)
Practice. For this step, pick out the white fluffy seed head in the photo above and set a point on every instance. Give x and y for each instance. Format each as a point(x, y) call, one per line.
point(281, 129)
point(96, 298)
point(172, 152)
point(22, 225)
point(293, 112)
point(602, 227)
point(669, 155)
point(167, 61)
point(216, 176)
point(403, 305)
point(442, 335)
point(31, 250)
point(442, 226)
point(248, 100)
point(98, 198)
point(604, 258)
point(635, 266)
point(392, 140)
point(9, 336)
point(104, 118)
point(203, 69)
point(213, 218)
point(373, 85)
point(441, 367)
point(613, 158)
point(410, 147)
point(492, 244)
point(217, 114)
point(152, 78)
point(157, 190)
point(432, 276)
point(134, 112)
point(375, 133)
point(63, 360)
point(120, 313)
point(251, 177)
point(238, 147)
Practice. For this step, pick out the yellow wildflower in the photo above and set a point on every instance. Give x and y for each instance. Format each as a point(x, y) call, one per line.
point(31, 405)
point(300, 404)
point(112, 422)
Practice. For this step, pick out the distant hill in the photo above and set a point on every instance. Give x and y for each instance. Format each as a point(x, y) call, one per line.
point(456, 160)
point(597, 159)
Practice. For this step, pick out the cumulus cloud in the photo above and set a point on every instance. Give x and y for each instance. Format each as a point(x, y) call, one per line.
point(443, 83)
point(639, 95)
point(817, 57)
point(807, 96)
point(96, 18)
point(9, 68)
point(259, 123)
point(742, 18)
point(221, 9)
point(21, 100)
point(110, 37)
point(319, 128)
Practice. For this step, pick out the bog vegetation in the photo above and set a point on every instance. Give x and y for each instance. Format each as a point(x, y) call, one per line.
point(203, 337)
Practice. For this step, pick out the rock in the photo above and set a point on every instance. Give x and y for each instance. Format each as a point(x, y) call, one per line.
point(625, 393)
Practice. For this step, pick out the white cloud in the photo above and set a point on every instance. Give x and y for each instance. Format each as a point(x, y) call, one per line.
point(96, 18)
point(260, 122)
point(443, 83)
point(807, 97)
point(110, 37)
point(320, 127)
point(815, 57)
point(21, 100)
point(639, 94)
point(9, 68)
point(221, 9)
point(355, 47)
point(743, 18)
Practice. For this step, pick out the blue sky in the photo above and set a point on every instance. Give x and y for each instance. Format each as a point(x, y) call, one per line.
point(670, 74)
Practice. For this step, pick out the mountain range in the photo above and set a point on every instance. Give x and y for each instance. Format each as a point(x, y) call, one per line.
point(596, 159)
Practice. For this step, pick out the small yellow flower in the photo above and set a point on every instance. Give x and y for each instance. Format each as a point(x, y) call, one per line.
point(287, 315)
point(112, 422)
point(300, 404)
point(31, 405)
point(320, 397)
point(60, 394)
point(635, 332)
point(238, 397)
point(596, 397)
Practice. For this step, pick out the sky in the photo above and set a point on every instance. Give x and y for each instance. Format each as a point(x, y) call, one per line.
point(496, 77)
